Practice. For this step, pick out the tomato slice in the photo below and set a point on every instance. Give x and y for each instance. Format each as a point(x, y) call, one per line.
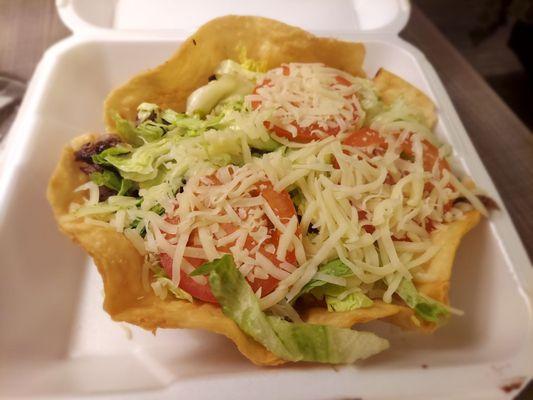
point(195, 289)
point(343, 81)
point(313, 131)
point(303, 134)
point(365, 137)
point(269, 284)
point(431, 155)
point(282, 205)
point(280, 202)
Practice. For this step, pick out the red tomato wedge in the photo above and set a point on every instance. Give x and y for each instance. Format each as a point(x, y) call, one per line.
point(282, 205)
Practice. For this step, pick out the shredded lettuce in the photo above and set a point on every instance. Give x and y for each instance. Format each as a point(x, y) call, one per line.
point(249, 69)
point(250, 64)
point(351, 302)
point(125, 187)
point(222, 147)
point(153, 124)
point(368, 98)
point(116, 151)
point(159, 194)
point(141, 163)
point(158, 209)
point(428, 309)
point(290, 341)
point(204, 99)
point(400, 116)
point(335, 296)
point(335, 268)
point(124, 201)
point(162, 285)
point(106, 178)
point(188, 143)
point(186, 125)
point(148, 131)
point(112, 181)
point(227, 106)
point(96, 209)
point(111, 205)
point(237, 118)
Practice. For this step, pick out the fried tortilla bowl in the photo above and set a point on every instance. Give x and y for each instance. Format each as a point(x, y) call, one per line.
point(169, 85)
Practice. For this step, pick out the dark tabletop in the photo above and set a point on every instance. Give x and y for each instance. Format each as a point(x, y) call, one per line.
point(28, 27)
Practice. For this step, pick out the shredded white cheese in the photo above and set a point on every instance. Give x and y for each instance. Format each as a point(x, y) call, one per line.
point(373, 206)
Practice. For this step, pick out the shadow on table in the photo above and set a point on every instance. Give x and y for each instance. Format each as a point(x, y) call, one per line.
point(516, 89)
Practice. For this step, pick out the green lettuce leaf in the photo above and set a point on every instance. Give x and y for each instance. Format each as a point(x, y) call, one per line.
point(139, 164)
point(112, 181)
point(401, 110)
point(249, 63)
point(266, 144)
point(162, 285)
point(191, 125)
point(161, 173)
point(117, 151)
point(290, 341)
point(204, 99)
point(236, 117)
point(426, 308)
point(331, 292)
point(125, 187)
point(206, 268)
point(351, 302)
point(335, 268)
point(158, 209)
point(174, 156)
point(148, 131)
point(297, 197)
point(111, 205)
point(124, 201)
point(106, 178)
point(153, 124)
point(100, 209)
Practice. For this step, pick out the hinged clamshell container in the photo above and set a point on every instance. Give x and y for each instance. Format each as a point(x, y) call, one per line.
point(55, 338)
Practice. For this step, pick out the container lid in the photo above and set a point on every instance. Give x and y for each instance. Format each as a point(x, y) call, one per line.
point(179, 18)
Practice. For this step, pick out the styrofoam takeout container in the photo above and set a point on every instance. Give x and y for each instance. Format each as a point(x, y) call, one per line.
point(57, 341)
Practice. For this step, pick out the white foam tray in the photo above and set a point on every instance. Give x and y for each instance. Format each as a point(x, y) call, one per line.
point(55, 339)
